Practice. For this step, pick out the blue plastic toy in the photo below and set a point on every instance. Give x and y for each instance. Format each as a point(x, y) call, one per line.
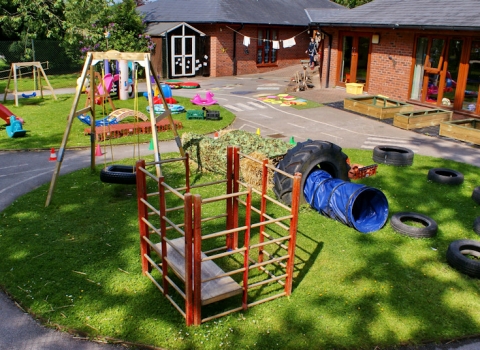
point(15, 129)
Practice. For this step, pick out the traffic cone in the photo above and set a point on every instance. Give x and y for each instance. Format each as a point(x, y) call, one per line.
point(98, 150)
point(215, 136)
point(150, 148)
point(258, 131)
point(53, 156)
point(292, 140)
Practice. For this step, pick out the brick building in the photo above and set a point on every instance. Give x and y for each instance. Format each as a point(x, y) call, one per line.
point(422, 51)
point(210, 37)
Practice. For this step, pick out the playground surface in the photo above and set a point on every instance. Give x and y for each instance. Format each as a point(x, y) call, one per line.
point(28, 170)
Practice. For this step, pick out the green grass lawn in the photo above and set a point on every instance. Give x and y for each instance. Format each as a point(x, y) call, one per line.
point(46, 121)
point(75, 265)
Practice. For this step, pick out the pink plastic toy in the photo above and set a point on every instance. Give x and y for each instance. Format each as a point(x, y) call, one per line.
point(207, 101)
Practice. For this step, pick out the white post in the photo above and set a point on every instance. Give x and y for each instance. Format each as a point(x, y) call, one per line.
point(123, 84)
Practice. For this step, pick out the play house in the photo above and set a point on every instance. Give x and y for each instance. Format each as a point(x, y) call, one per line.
point(211, 256)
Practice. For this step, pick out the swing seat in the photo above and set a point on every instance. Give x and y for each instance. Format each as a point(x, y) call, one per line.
point(33, 94)
point(119, 174)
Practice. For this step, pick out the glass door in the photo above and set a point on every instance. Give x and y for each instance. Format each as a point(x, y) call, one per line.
point(183, 55)
point(354, 59)
point(470, 98)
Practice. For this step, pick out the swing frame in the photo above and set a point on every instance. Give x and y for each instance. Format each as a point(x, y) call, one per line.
point(39, 72)
point(91, 60)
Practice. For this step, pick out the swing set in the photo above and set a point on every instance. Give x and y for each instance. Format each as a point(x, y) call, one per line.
point(38, 72)
point(113, 174)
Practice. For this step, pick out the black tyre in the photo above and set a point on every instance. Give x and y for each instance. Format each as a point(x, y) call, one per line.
point(306, 157)
point(476, 225)
point(393, 155)
point(445, 176)
point(459, 255)
point(399, 223)
point(119, 174)
point(476, 194)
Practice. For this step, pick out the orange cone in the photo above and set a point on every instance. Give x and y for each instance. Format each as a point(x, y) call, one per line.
point(53, 156)
point(215, 136)
point(98, 151)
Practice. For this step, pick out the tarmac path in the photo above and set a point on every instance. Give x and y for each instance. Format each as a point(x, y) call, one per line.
point(23, 171)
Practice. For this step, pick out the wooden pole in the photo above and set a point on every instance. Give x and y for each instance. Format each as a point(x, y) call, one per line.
point(229, 200)
point(142, 214)
point(235, 189)
point(189, 298)
point(71, 116)
point(248, 211)
point(263, 206)
point(93, 125)
point(197, 259)
point(296, 192)
point(163, 231)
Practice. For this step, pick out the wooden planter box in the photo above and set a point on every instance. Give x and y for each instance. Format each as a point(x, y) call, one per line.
point(467, 130)
point(421, 119)
point(376, 106)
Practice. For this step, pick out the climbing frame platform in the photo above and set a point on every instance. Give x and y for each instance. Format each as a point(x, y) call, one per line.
point(197, 252)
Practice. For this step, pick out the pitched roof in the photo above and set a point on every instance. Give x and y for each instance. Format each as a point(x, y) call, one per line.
point(272, 12)
point(425, 14)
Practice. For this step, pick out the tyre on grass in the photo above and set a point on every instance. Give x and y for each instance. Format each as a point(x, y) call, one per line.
point(476, 194)
point(445, 176)
point(304, 158)
point(119, 174)
point(464, 256)
point(400, 223)
point(393, 155)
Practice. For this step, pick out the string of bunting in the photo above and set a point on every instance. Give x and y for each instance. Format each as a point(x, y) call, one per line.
point(290, 40)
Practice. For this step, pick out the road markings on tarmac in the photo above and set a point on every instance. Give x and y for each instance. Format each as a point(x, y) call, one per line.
point(297, 126)
point(372, 142)
point(249, 106)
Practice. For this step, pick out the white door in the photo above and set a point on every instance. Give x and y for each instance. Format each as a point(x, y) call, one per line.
point(183, 55)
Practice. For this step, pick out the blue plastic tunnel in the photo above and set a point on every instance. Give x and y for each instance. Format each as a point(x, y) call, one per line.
point(361, 207)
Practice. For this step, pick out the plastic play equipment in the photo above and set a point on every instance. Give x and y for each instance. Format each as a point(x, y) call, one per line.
point(15, 128)
point(361, 207)
point(5, 114)
point(103, 94)
point(174, 108)
point(207, 101)
point(38, 72)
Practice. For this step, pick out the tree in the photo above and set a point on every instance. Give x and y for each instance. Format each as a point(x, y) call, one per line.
point(104, 25)
point(351, 3)
point(32, 19)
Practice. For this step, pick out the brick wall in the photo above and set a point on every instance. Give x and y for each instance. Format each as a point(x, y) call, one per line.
point(389, 77)
point(222, 49)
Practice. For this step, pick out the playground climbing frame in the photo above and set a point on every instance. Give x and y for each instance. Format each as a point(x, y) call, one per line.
point(195, 265)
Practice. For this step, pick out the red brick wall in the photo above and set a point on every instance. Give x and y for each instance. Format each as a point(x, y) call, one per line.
point(221, 41)
point(389, 77)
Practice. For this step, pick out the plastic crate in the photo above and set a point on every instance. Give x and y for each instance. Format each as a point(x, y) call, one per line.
point(212, 115)
point(358, 171)
point(354, 88)
point(195, 114)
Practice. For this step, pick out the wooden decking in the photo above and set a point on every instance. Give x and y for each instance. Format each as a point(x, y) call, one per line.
point(214, 289)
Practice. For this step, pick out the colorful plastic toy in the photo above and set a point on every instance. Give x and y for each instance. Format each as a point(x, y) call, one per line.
point(207, 101)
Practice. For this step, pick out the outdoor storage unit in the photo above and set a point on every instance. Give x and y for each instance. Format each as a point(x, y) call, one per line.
point(354, 88)
point(376, 106)
point(467, 130)
point(421, 119)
